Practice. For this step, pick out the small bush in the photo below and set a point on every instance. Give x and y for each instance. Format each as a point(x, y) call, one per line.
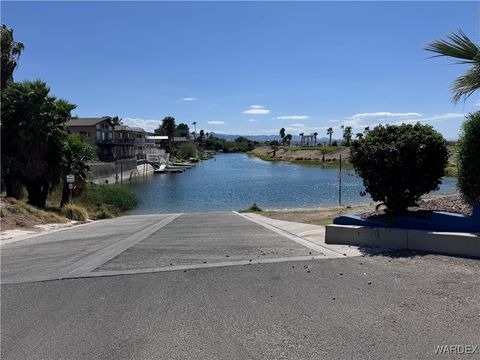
point(103, 213)
point(117, 198)
point(398, 164)
point(469, 160)
point(253, 208)
point(187, 150)
point(74, 212)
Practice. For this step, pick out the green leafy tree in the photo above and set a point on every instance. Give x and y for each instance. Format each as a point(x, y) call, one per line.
point(11, 51)
point(399, 164)
point(33, 137)
point(330, 133)
point(168, 126)
point(460, 47)
point(468, 160)
point(187, 150)
point(183, 130)
point(76, 154)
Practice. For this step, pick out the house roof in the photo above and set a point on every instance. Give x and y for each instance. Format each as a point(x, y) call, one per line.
point(122, 128)
point(138, 129)
point(87, 121)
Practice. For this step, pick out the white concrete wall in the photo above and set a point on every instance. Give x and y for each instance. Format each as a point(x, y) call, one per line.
point(461, 244)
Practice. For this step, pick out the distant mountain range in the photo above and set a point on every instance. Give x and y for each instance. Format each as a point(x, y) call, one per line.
point(263, 138)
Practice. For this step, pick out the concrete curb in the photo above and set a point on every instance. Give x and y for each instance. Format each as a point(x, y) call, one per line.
point(448, 243)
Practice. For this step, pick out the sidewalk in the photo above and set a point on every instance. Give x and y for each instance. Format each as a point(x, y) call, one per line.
point(312, 233)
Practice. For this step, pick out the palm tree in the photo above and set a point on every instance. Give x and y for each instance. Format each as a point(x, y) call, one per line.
point(195, 130)
point(347, 134)
point(11, 51)
point(366, 130)
point(117, 121)
point(330, 133)
point(315, 134)
point(301, 138)
point(288, 138)
point(460, 47)
point(282, 135)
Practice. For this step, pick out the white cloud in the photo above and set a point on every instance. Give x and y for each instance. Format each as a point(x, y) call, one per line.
point(292, 117)
point(190, 98)
point(434, 118)
point(216, 122)
point(146, 124)
point(359, 121)
point(257, 110)
point(252, 120)
point(384, 115)
point(297, 125)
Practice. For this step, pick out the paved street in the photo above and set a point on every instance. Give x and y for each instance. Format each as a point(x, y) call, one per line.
point(181, 287)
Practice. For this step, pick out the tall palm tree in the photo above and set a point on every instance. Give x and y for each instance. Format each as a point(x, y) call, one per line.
point(288, 138)
point(315, 134)
point(11, 51)
point(301, 139)
point(195, 130)
point(460, 47)
point(282, 135)
point(347, 134)
point(330, 133)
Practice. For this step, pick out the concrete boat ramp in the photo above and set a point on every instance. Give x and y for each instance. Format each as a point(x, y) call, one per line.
point(167, 242)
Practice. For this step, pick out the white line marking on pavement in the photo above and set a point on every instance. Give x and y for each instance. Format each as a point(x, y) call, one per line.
point(196, 266)
point(297, 239)
point(100, 257)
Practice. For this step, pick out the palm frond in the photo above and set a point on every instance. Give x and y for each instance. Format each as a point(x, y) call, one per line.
point(459, 46)
point(465, 85)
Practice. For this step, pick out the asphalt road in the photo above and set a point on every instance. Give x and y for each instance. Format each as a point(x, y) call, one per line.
point(395, 306)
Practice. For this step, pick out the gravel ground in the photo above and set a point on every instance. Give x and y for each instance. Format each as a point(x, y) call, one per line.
point(448, 203)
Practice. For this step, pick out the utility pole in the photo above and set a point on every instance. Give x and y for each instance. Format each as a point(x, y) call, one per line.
point(340, 183)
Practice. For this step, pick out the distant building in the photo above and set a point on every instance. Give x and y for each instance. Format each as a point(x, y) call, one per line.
point(113, 142)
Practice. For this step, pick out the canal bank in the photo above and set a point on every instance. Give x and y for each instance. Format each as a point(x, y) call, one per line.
point(235, 181)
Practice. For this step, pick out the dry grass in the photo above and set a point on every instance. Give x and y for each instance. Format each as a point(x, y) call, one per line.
point(18, 214)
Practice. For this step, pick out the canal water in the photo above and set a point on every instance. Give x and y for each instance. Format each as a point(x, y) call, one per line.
point(236, 181)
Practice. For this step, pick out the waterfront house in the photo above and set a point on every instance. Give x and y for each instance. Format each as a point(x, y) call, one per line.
point(98, 132)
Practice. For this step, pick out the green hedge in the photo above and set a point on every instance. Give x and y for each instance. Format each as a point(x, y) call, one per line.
point(469, 160)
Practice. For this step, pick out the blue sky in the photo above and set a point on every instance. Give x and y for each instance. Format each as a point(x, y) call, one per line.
point(247, 68)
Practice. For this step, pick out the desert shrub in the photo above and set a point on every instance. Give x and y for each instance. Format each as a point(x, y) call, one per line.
point(115, 198)
point(253, 208)
point(74, 212)
point(469, 160)
point(399, 164)
point(187, 150)
point(103, 212)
